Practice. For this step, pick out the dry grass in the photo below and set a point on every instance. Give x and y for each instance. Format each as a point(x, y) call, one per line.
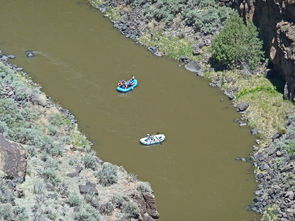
point(267, 111)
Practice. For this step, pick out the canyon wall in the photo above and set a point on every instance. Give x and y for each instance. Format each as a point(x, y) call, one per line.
point(275, 20)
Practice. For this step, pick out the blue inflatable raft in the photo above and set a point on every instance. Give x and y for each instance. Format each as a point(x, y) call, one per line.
point(122, 88)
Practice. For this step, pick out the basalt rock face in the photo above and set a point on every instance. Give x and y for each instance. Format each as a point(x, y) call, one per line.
point(275, 20)
point(12, 160)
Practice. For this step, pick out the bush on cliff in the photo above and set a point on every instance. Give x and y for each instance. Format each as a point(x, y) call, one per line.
point(205, 16)
point(237, 44)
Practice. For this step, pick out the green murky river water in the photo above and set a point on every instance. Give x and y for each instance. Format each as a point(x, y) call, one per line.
point(81, 57)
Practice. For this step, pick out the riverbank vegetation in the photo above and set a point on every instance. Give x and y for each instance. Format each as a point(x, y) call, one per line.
point(62, 177)
point(237, 44)
point(231, 57)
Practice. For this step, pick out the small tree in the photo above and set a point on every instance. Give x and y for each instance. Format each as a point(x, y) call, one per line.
point(237, 44)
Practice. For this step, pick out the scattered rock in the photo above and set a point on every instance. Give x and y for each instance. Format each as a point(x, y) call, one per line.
point(194, 67)
point(155, 51)
point(207, 41)
point(255, 148)
point(211, 84)
point(276, 136)
point(184, 60)
point(19, 69)
point(264, 167)
point(242, 106)
point(39, 98)
point(29, 54)
point(242, 124)
point(229, 94)
point(3, 58)
point(10, 56)
point(254, 131)
point(88, 188)
point(241, 159)
point(196, 50)
point(290, 195)
point(279, 153)
point(76, 173)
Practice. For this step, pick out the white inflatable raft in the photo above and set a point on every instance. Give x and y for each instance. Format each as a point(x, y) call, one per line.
point(152, 139)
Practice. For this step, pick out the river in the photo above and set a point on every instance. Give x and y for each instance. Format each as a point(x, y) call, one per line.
point(80, 59)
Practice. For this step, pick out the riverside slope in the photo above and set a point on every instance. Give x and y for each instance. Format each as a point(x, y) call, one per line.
point(48, 170)
point(273, 156)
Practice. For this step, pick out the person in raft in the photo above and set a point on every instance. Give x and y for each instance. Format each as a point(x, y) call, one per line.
point(131, 81)
point(150, 137)
point(122, 84)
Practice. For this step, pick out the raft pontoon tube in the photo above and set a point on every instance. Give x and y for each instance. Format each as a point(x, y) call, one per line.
point(152, 139)
point(130, 88)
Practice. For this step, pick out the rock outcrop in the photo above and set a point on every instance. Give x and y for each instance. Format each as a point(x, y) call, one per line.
point(275, 19)
point(13, 160)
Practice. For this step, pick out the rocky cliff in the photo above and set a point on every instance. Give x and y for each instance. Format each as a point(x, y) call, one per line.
point(275, 20)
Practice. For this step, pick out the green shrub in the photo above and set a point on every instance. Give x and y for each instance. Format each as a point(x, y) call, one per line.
point(20, 213)
point(117, 201)
point(55, 150)
point(38, 187)
point(74, 199)
point(237, 44)
point(89, 160)
point(88, 213)
point(52, 130)
point(108, 174)
point(6, 194)
point(6, 211)
point(106, 208)
point(92, 199)
point(144, 187)
point(4, 129)
point(205, 16)
point(50, 175)
point(131, 209)
point(206, 20)
point(291, 148)
point(31, 151)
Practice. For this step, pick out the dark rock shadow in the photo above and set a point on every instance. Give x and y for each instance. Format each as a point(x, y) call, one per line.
point(275, 78)
point(215, 65)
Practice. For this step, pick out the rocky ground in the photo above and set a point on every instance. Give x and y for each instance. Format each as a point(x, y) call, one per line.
point(275, 173)
point(262, 107)
point(48, 170)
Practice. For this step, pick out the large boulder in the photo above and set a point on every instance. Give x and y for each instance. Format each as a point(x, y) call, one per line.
point(147, 205)
point(12, 160)
point(194, 67)
point(242, 106)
